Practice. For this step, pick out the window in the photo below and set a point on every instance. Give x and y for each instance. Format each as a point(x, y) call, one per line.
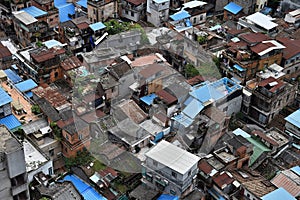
point(51, 152)
point(94, 11)
point(50, 171)
point(56, 74)
point(174, 174)
point(126, 12)
point(189, 173)
point(155, 163)
point(201, 17)
point(163, 4)
point(132, 14)
point(195, 20)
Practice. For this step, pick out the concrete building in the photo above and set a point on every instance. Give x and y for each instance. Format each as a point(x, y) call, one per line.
point(134, 10)
point(263, 100)
point(260, 4)
point(158, 11)
point(100, 11)
point(25, 26)
point(170, 169)
point(258, 22)
point(291, 57)
point(250, 53)
point(14, 181)
point(293, 17)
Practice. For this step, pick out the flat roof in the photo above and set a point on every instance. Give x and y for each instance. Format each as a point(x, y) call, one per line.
point(5, 98)
point(294, 118)
point(53, 43)
point(173, 157)
point(8, 142)
point(262, 20)
point(33, 157)
point(34, 11)
point(194, 4)
point(24, 17)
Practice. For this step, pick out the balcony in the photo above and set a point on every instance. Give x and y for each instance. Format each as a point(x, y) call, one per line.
point(18, 189)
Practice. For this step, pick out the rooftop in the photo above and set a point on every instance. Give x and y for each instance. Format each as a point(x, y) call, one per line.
point(97, 26)
point(33, 157)
point(194, 4)
point(254, 37)
point(137, 2)
point(294, 118)
point(8, 143)
point(4, 51)
point(172, 156)
point(34, 11)
point(223, 179)
point(132, 110)
point(278, 194)
point(292, 47)
point(5, 98)
point(262, 20)
point(11, 122)
point(180, 15)
point(24, 17)
point(233, 8)
point(266, 46)
point(70, 63)
point(26, 85)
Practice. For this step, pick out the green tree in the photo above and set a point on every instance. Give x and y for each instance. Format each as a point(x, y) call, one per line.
point(35, 109)
point(56, 130)
point(202, 39)
point(191, 71)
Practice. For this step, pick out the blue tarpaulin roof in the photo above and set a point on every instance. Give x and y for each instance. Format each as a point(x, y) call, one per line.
point(266, 10)
point(34, 11)
point(82, 3)
point(12, 76)
point(278, 194)
point(148, 99)
point(11, 122)
point(97, 26)
point(64, 10)
point(193, 108)
point(167, 197)
point(294, 118)
point(233, 8)
point(4, 97)
point(26, 85)
point(236, 66)
point(180, 15)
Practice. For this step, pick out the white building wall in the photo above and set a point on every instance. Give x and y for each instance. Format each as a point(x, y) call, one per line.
point(44, 168)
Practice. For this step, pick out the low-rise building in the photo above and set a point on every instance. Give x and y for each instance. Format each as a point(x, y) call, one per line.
point(134, 10)
point(158, 12)
point(263, 100)
point(170, 169)
point(292, 124)
point(293, 17)
point(100, 11)
point(14, 180)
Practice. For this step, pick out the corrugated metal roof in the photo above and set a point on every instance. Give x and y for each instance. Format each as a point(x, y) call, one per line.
point(183, 119)
point(24, 17)
point(296, 169)
point(167, 197)
point(5, 98)
point(34, 11)
point(294, 118)
point(233, 8)
point(173, 157)
point(65, 9)
point(12, 76)
point(26, 85)
point(82, 3)
point(180, 15)
point(262, 20)
point(289, 181)
point(97, 26)
point(193, 108)
point(11, 122)
point(278, 194)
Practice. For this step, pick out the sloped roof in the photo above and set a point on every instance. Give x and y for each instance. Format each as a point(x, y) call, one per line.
point(292, 47)
point(180, 15)
point(34, 11)
point(26, 85)
point(289, 180)
point(262, 20)
point(254, 37)
point(136, 2)
point(294, 118)
point(5, 98)
point(233, 8)
point(278, 194)
point(12, 76)
point(24, 17)
point(10, 121)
